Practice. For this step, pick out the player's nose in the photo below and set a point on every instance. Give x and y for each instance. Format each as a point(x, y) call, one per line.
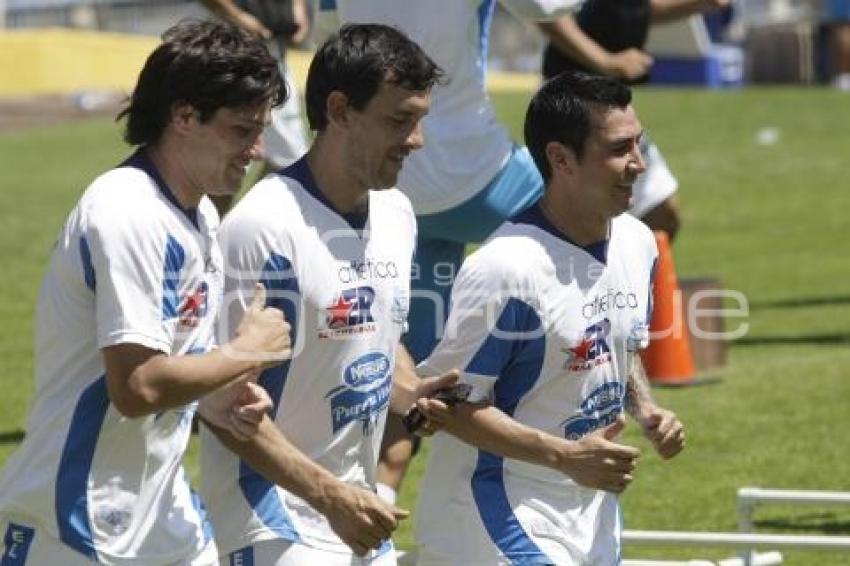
point(637, 163)
point(416, 138)
point(257, 149)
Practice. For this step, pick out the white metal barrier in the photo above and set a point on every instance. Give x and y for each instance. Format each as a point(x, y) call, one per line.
point(750, 497)
point(758, 559)
point(737, 540)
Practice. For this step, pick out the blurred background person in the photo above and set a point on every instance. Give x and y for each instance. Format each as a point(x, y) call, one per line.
point(607, 37)
point(283, 24)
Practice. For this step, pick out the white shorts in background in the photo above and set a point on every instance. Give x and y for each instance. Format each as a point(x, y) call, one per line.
point(278, 552)
point(655, 185)
point(26, 545)
point(285, 138)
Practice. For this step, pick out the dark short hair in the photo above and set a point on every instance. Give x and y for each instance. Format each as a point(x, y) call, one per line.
point(206, 64)
point(357, 59)
point(564, 110)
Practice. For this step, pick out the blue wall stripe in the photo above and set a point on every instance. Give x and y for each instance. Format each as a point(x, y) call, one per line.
point(88, 267)
point(515, 355)
point(71, 496)
point(281, 285)
point(175, 257)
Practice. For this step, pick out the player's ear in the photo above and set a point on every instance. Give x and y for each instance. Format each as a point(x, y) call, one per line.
point(560, 158)
point(183, 115)
point(337, 108)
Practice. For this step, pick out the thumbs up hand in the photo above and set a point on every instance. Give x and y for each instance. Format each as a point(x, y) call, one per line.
point(263, 333)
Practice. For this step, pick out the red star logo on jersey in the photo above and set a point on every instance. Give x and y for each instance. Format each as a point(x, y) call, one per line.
point(339, 312)
point(194, 306)
point(582, 350)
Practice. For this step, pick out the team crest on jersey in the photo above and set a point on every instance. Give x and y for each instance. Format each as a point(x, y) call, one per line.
point(599, 409)
point(194, 306)
point(591, 350)
point(366, 391)
point(350, 314)
point(401, 306)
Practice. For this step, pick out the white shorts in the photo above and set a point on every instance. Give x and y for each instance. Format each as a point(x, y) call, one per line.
point(285, 138)
point(276, 552)
point(27, 545)
point(655, 185)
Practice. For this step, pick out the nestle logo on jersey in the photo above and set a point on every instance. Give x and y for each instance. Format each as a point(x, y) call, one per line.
point(368, 369)
point(365, 270)
point(365, 393)
point(599, 409)
point(350, 314)
point(611, 300)
point(592, 349)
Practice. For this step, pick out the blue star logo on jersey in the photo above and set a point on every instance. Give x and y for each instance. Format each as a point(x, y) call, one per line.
point(350, 313)
point(592, 349)
point(194, 307)
point(599, 409)
point(365, 393)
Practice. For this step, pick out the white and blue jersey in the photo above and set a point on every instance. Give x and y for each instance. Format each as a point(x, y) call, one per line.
point(343, 283)
point(465, 145)
point(538, 326)
point(130, 266)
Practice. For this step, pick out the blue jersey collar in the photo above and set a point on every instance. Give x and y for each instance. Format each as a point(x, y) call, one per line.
point(535, 217)
point(140, 160)
point(300, 171)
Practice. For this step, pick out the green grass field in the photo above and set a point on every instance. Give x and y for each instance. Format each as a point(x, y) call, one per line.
point(767, 220)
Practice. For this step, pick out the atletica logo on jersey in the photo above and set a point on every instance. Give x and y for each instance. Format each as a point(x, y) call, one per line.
point(194, 307)
point(599, 409)
point(366, 270)
point(592, 349)
point(611, 300)
point(350, 314)
point(365, 393)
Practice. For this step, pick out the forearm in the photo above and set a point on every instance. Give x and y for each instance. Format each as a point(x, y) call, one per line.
point(405, 382)
point(639, 399)
point(270, 454)
point(536, 11)
point(490, 429)
point(567, 37)
point(224, 9)
point(164, 382)
point(663, 11)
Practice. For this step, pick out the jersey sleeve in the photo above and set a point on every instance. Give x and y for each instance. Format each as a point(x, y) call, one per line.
point(541, 10)
point(491, 330)
point(134, 271)
point(256, 250)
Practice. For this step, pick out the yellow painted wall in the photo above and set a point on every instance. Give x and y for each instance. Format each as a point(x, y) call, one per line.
point(61, 61)
point(54, 61)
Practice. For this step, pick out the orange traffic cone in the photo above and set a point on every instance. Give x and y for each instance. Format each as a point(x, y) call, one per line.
point(668, 359)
